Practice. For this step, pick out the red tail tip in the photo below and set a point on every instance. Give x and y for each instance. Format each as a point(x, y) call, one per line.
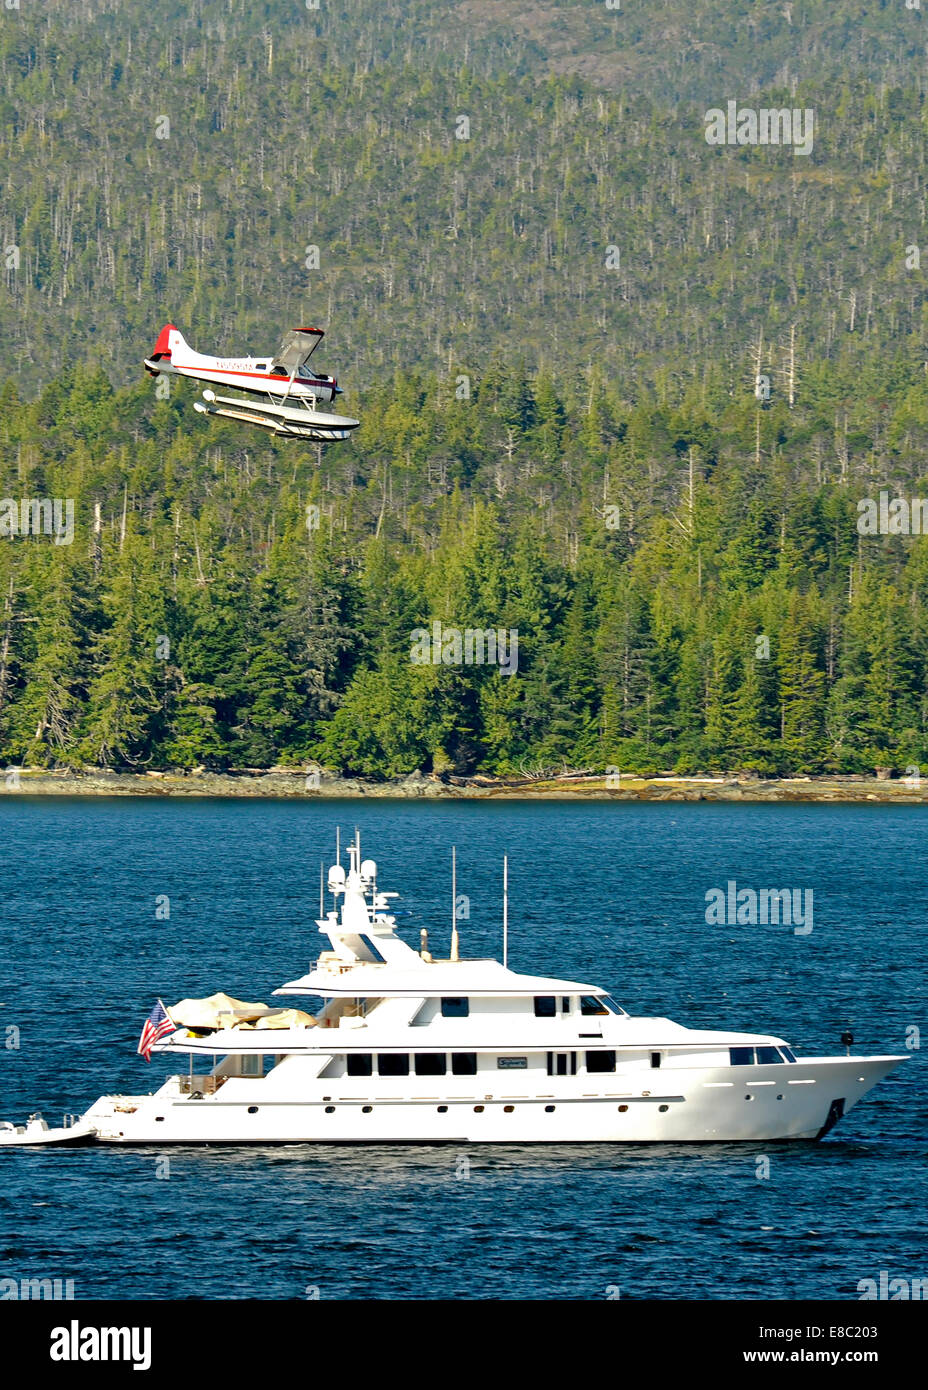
point(163, 345)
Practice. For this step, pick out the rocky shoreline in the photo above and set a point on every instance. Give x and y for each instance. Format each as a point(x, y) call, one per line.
point(280, 782)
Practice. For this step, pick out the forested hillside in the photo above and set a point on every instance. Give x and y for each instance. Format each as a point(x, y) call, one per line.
point(551, 331)
point(179, 162)
point(640, 550)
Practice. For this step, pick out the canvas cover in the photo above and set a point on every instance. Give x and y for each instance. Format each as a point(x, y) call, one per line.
point(216, 1011)
point(286, 1018)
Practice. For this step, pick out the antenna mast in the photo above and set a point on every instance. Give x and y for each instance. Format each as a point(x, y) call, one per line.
point(505, 910)
point(455, 944)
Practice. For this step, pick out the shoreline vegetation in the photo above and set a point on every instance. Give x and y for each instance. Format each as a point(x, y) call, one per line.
point(290, 783)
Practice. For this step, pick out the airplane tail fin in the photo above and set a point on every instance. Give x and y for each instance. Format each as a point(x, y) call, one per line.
point(169, 339)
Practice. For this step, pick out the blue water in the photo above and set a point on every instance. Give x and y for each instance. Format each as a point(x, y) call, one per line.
point(609, 893)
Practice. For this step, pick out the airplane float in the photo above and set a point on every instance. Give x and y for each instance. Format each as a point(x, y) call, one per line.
point(277, 379)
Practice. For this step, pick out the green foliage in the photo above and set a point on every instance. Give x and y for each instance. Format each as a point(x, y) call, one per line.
point(549, 445)
point(336, 128)
point(232, 602)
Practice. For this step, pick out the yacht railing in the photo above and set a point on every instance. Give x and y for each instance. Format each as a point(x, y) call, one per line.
point(204, 1085)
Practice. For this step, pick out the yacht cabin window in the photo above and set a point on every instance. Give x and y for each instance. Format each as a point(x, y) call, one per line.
point(373, 953)
point(430, 1063)
point(455, 1008)
point(600, 1061)
point(545, 1006)
point(424, 1063)
point(392, 1064)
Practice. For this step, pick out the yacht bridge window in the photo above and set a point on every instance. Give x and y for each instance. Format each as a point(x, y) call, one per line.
point(764, 1056)
point(590, 1006)
point(612, 1006)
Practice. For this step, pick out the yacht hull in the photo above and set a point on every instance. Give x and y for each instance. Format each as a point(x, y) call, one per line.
point(408, 1048)
point(801, 1101)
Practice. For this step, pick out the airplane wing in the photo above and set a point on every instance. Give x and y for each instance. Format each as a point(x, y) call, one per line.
point(298, 345)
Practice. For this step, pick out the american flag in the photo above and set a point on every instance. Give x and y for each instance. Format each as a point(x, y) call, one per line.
point(157, 1025)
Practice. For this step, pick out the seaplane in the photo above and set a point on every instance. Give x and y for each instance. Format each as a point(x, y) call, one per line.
point(283, 394)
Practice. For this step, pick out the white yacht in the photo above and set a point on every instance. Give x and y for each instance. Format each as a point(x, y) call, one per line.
point(407, 1048)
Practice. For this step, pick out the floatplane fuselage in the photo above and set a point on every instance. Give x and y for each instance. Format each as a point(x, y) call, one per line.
point(283, 393)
